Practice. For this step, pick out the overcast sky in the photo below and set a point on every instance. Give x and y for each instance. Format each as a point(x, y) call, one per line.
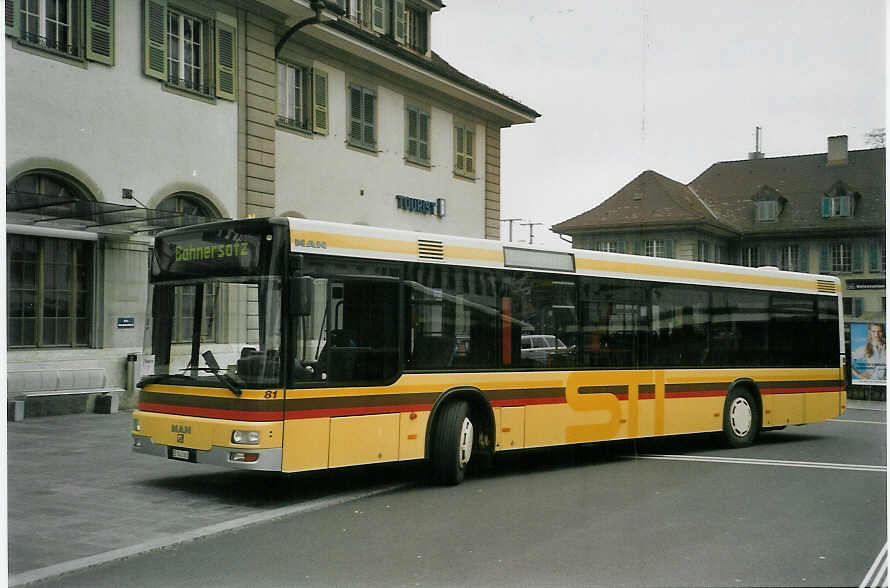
point(626, 86)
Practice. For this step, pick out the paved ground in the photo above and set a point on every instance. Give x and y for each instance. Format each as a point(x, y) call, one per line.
point(76, 490)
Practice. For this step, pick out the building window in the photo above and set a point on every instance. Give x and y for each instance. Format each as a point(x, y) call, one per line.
point(838, 202)
point(854, 306)
point(189, 52)
point(464, 149)
point(418, 127)
point(841, 257)
point(416, 37)
point(748, 257)
point(362, 106)
point(704, 251)
point(766, 211)
point(74, 28)
point(185, 52)
point(294, 109)
point(789, 258)
point(609, 246)
point(654, 248)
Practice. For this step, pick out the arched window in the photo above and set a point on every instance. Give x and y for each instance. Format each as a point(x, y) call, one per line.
point(51, 289)
point(184, 302)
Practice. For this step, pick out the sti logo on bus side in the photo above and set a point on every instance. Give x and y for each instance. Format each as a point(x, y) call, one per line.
point(310, 243)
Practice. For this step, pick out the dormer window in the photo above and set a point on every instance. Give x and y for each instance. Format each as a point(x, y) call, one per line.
point(766, 211)
point(417, 30)
point(840, 201)
point(768, 205)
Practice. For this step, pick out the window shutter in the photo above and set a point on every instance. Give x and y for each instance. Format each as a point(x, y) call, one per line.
point(845, 206)
point(155, 39)
point(773, 257)
point(282, 91)
point(758, 212)
point(621, 246)
point(100, 31)
point(874, 256)
point(458, 149)
point(379, 16)
point(399, 7)
point(12, 17)
point(469, 141)
point(826, 207)
point(857, 306)
point(412, 133)
point(669, 248)
point(369, 138)
point(320, 102)
point(225, 61)
point(638, 247)
point(423, 138)
point(803, 259)
point(355, 115)
point(824, 259)
point(857, 257)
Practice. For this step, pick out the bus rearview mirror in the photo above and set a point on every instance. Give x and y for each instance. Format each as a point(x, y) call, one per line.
point(301, 291)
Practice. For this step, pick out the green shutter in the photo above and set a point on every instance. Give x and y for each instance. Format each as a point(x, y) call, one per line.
point(320, 102)
point(621, 246)
point(225, 61)
point(378, 21)
point(857, 264)
point(824, 260)
point(155, 38)
point(370, 133)
point(100, 31)
point(874, 256)
point(458, 149)
point(468, 151)
point(857, 306)
point(412, 149)
point(826, 207)
point(638, 247)
point(773, 257)
point(12, 18)
point(423, 135)
point(846, 208)
point(669, 248)
point(355, 115)
point(399, 7)
point(803, 259)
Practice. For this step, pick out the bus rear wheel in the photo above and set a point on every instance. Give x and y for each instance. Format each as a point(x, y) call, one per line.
point(741, 418)
point(452, 443)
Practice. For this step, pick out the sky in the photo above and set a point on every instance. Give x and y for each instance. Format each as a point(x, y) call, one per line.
point(623, 86)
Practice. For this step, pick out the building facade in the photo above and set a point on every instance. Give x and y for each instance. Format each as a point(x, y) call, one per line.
point(203, 109)
point(821, 213)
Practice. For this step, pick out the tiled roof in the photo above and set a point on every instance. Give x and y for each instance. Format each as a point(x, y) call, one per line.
point(727, 188)
point(651, 199)
point(803, 180)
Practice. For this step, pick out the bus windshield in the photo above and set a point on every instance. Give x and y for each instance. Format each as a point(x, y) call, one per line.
point(214, 316)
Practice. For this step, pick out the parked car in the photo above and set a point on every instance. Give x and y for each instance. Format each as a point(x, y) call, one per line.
point(542, 350)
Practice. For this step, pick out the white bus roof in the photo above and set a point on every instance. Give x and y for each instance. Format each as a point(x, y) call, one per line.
point(311, 236)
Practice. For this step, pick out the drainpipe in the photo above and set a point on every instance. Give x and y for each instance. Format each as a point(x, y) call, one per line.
point(318, 6)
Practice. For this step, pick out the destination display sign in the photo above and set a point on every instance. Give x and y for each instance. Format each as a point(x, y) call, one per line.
point(207, 253)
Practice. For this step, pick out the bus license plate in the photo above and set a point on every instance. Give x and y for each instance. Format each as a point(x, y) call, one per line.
point(182, 454)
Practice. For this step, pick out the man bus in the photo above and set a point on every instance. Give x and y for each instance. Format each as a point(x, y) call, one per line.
point(292, 345)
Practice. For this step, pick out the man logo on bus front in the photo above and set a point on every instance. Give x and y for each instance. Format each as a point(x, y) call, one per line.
point(310, 243)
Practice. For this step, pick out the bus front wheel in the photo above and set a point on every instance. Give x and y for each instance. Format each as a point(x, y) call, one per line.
point(741, 418)
point(452, 443)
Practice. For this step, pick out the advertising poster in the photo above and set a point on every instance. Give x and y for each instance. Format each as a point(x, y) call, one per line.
point(868, 345)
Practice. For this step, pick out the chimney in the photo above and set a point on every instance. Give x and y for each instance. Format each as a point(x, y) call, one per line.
point(757, 153)
point(837, 150)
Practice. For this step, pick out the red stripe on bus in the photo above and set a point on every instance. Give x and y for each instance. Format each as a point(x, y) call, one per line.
point(527, 401)
point(211, 413)
point(312, 413)
point(801, 390)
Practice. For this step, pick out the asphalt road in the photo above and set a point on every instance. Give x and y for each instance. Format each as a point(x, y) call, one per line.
point(803, 507)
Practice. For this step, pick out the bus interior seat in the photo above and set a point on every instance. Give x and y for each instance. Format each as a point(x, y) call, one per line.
point(432, 351)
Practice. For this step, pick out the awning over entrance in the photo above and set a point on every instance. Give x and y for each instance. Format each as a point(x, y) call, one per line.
point(104, 218)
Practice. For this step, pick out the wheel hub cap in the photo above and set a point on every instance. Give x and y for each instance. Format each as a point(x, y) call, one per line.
point(740, 417)
point(466, 442)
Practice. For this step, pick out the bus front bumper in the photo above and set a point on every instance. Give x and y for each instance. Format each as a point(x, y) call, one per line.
point(268, 460)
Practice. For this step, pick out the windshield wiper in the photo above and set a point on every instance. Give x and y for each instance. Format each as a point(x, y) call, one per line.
point(213, 368)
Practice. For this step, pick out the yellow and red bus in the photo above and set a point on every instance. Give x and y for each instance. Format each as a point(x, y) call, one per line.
point(291, 345)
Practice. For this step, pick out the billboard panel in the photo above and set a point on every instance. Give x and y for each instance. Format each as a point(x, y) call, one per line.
point(868, 342)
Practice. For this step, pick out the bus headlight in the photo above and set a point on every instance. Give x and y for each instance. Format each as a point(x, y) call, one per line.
point(136, 426)
point(246, 437)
